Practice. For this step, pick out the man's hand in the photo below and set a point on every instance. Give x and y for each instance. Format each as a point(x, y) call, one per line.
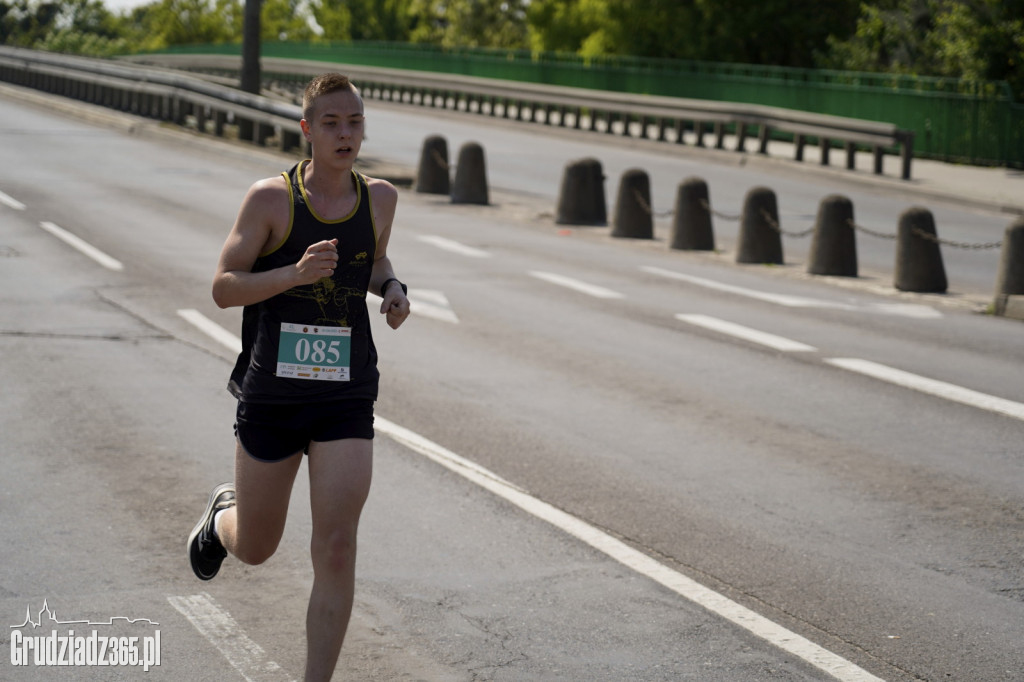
point(395, 305)
point(318, 262)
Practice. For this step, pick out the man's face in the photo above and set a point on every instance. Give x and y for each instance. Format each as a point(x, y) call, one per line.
point(336, 128)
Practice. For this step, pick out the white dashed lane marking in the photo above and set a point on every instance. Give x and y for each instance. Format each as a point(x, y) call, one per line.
point(11, 202)
point(747, 334)
point(576, 285)
point(212, 329)
point(221, 630)
point(912, 310)
point(454, 246)
point(940, 389)
point(82, 246)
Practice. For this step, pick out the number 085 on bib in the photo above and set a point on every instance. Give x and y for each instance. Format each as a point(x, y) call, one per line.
point(308, 351)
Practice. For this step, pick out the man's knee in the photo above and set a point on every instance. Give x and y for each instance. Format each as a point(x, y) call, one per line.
point(254, 554)
point(336, 551)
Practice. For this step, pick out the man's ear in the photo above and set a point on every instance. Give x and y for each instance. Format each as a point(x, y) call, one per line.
point(304, 124)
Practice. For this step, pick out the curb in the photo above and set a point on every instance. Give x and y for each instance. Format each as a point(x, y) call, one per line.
point(1010, 306)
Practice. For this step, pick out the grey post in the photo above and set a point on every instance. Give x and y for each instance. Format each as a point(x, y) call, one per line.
point(691, 225)
point(1011, 264)
point(834, 245)
point(633, 217)
point(760, 240)
point(919, 265)
point(470, 176)
point(581, 197)
point(433, 176)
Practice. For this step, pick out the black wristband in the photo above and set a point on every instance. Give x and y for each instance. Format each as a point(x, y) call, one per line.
point(389, 280)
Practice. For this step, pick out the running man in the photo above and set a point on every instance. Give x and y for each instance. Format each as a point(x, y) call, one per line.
point(304, 251)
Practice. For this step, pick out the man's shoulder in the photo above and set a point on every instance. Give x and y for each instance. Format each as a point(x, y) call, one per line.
point(381, 190)
point(269, 193)
point(272, 186)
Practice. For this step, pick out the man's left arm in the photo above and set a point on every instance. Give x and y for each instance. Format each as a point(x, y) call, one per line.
point(395, 304)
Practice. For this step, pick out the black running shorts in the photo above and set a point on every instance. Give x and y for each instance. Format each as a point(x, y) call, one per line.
point(271, 433)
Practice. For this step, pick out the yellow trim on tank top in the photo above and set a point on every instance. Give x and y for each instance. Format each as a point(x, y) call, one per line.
point(309, 204)
point(291, 217)
point(369, 202)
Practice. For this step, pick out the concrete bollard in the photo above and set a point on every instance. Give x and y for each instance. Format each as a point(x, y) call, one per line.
point(834, 245)
point(760, 240)
point(1010, 280)
point(581, 197)
point(470, 176)
point(691, 226)
point(433, 176)
point(919, 265)
point(633, 219)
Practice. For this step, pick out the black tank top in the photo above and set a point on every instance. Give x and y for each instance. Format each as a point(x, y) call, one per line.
point(337, 301)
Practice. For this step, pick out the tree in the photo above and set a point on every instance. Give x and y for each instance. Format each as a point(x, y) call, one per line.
point(775, 32)
point(579, 26)
point(978, 39)
point(385, 20)
point(23, 23)
point(469, 23)
point(184, 22)
point(285, 20)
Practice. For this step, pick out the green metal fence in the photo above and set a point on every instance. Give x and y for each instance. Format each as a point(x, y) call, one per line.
point(953, 120)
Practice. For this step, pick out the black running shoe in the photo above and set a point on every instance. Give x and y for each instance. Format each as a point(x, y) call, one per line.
point(204, 549)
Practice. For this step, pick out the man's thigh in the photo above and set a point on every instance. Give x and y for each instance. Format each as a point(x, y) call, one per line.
point(340, 472)
point(262, 493)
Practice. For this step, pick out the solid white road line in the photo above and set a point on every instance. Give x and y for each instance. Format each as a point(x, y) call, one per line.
point(718, 604)
point(747, 334)
point(221, 630)
point(903, 309)
point(212, 329)
point(775, 634)
point(11, 202)
point(576, 285)
point(83, 246)
point(454, 246)
point(933, 387)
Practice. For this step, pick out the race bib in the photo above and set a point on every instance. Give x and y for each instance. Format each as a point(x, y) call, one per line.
point(306, 351)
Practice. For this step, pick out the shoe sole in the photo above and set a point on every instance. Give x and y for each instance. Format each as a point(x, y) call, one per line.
point(202, 522)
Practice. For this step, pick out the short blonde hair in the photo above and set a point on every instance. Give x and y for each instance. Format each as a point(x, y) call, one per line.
point(321, 85)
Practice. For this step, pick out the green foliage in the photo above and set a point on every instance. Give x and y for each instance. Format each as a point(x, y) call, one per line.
point(970, 39)
point(179, 22)
point(570, 26)
point(386, 20)
point(778, 32)
point(975, 40)
point(469, 23)
point(284, 20)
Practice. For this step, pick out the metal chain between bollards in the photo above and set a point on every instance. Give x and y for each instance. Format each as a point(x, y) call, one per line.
point(439, 160)
point(778, 228)
point(638, 195)
point(955, 244)
point(724, 216)
point(873, 233)
point(928, 236)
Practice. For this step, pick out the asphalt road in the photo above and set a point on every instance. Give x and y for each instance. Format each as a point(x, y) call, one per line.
point(780, 441)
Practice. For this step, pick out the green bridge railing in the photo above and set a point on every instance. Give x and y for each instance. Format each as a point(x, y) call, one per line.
point(973, 122)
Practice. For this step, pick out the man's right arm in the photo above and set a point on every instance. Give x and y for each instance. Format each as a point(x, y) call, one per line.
point(263, 216)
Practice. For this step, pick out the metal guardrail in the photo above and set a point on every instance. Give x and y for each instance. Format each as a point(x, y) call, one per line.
point(173, 95)
point(155, 93)
point(650, 116)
